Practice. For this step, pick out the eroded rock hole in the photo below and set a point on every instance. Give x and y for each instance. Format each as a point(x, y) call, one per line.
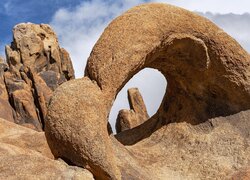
point(138, 100)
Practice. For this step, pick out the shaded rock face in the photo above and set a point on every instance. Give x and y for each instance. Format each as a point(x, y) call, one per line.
point(36, 67)
point(6, 110)
point(192, 135)
point(196, 63)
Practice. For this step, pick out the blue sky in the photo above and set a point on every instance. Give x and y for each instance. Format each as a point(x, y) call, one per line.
point(79, 23)
point(13, 12)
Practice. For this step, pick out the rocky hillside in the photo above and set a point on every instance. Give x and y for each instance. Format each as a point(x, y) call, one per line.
point(201, 130)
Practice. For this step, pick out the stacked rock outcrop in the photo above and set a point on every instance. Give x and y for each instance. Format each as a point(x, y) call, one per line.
point(35, 67)
point(201, 130)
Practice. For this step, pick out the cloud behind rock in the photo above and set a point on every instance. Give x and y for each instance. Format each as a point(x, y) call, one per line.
point(236, 25)
point(79, 29)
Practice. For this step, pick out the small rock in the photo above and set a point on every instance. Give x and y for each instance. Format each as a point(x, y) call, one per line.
point(128, 119)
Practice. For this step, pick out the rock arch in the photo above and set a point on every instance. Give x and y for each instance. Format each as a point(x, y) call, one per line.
point(206, 70)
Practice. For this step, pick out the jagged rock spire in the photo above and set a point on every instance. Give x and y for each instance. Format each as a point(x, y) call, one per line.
point(37, 66)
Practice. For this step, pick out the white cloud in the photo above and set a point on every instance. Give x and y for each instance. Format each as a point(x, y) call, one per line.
point(79, 28)
point(214, 6)
point(7, 7)
point(237, 26)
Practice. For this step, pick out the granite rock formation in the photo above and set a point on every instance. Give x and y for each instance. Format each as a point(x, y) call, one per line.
point(200, 131)
point(128, 119)
point(35, 67)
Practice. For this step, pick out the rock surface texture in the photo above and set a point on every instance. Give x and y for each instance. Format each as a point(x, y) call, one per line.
point(243, 174)
point(35, 67)
point(200, 131)
point(25, 154)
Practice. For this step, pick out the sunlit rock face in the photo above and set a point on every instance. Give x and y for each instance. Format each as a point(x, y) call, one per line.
point(201, 129)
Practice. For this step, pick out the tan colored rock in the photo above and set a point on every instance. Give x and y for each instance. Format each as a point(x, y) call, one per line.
point(14, 57)
point(211, 150)
point(43, 94)
point(21, 97)
point(90, 144)
point(3, 66)
point(243, 174)
point(17, 164)
point(24, 154)
point(128, 119)
point(1, 60)
point(37, 67)
point(39, 50)
point(25, 138)
point(208, 77)
point(6, 110)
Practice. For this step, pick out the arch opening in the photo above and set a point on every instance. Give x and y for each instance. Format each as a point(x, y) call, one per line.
point(148, 85)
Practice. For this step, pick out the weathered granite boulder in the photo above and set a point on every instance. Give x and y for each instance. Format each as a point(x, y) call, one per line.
point(200, 131)
point(37, 66)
